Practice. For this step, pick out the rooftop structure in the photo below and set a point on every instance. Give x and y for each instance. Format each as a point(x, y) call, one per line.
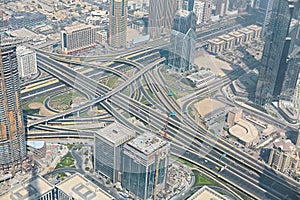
point(35, 188)
point(147, 143)
point(207, 193)
point(245, 132)
point(79, 188)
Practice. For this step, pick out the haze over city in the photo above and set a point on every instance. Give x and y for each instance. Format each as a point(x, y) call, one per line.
point(149, 100)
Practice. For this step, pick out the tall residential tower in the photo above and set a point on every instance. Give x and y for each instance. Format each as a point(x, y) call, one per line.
point(12, 129)
point(161, 15)
point(118, 23)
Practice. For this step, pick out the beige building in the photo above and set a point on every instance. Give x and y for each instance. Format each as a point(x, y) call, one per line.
point(118, 23)
point(234, 115)
point(256, 31)
point(206, 193)
point(298, 140)
point(216, 45)
point(77, 38)
point(79, 188)
point(229, 41)
point(101, 37)
point(248, 34)
point(245, 133)
point(239, 37)
point(35, 188)
point(284, 156)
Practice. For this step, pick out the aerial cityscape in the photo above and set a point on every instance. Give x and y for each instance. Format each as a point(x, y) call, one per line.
point(150, 100)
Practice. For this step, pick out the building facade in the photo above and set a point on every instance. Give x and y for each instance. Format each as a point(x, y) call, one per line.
point(275, 53)
point(144, 165)
point(118, 23)
point(284, 157)
point(161, 15)
point(188, 5)
point(183, 41)
point(199, 10)
point(207, 10)
point(12, 128)
point(222, 7)
point(77, 38)
point(108, 145)
point(27, 64)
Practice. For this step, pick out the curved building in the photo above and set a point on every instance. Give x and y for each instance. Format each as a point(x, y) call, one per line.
point(12, 130)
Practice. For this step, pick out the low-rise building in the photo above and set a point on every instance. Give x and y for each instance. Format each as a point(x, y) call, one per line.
point(248, 34)
point(216, 45)
point(256, 31)
point(229, 41)
point(202, 78)
point(234, 115)
point(35, 188)
point(284, 156)
point(101, 37)
point(239, 37)
point(208, 194)
point(79, 188)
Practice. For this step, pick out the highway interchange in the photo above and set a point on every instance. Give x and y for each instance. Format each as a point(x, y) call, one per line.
point(189, 140)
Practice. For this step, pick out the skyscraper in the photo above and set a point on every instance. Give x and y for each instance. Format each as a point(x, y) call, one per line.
point(276, 49)
point(12, 130)
point(188, 5)
point(118, 23)
point(222, 7)
point(161, 14)
point(107, 153)
point(144, 165)
point(199, 10)
point(183, 41)
point(207, 10)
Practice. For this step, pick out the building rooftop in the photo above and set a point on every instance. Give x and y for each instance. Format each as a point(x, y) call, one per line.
point(22, 33)
point(245, 30)
point(244, 131)
point(81, 189)
point(216, 41)
point(70, 29)
point(284, 145)
point(236, 34)
point(36, 144)
point(208, 194)
point(116, 133)
point(254, 27)
point(147, 143)
point(183, 13)
point(29, 190)
point(22, 50)
point(226, 37)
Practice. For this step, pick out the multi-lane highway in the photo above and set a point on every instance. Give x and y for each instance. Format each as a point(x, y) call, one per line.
point(240, 165)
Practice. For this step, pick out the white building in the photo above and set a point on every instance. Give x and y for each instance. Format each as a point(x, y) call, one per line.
point(77, 38)
point(27, 64)
point(199, 10)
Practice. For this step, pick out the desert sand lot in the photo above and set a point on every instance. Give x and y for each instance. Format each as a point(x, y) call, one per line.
point(207, 106)
point(217, 66)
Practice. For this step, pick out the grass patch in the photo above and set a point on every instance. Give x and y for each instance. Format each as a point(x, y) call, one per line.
point(201, 180)
point(111, 81)
point(185, 162)
point(66, 161)
point(70, 146)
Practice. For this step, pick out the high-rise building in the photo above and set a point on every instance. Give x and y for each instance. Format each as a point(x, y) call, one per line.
point(144, 165)
point(183, 41)
point(188, 5)
point(207, 10)
point(77, 38)
point(27, 64)
point(107, 153)
point(161, 15)
point(199, 10)
point(222, 7)
point(268, 6)
point(118, 23)
point(12, 129)
point(276, 49)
